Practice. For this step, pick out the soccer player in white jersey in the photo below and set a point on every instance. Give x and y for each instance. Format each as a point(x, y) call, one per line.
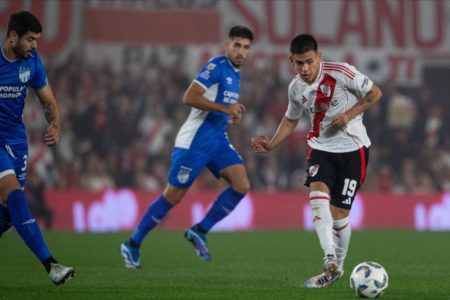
point(334, 95)
point(201, 142)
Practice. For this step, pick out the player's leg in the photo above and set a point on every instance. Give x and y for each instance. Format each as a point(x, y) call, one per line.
point(350, 177)
point(229, 165)
point(341, 234)
point(184, 169)
point(28, 229)
point(12, 180)
point(155, 213)
point(230, 197)
point(323, 225)
point(320, 179)
point(319, 199)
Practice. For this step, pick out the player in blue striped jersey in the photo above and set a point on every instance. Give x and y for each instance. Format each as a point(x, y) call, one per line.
point(202, 141)
point(20, 68)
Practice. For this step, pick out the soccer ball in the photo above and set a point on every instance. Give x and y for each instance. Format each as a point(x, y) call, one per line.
point(369, 280)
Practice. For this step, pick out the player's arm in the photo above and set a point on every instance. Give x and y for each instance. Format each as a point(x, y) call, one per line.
point(52, 115)
point(194, 97)
point(263, 144)
point(372, 97)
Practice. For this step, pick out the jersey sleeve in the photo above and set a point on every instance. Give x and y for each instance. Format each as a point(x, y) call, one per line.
point(360, 84)
point(208, 75)
point(39, 79)
point(295, 109)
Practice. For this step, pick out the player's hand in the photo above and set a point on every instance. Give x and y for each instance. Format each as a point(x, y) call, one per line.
point(235, 110)
point(235, 120)
point(261, 144)
point(51, 137)
point(340, 120)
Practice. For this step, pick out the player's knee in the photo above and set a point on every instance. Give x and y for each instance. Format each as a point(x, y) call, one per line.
point(242, 187)
point(173, 195)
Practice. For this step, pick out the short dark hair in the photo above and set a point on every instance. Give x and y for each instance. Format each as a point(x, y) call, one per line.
point(23, 21)
point(240, 31)
point(303, 43)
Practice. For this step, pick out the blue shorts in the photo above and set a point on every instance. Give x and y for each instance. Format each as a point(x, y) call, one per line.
point(187, 163)
point(14, 158)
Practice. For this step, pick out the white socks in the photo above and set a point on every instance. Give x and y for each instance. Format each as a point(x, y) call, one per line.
point(342, 232)
point(322, 220)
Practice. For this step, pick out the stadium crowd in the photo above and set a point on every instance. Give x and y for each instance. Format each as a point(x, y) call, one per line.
point(119, 128)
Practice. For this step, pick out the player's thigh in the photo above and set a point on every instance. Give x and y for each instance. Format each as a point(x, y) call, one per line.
point(186, 166)
point(13, 165)
point(350, 176)
point(321, 167)
point(223, 158)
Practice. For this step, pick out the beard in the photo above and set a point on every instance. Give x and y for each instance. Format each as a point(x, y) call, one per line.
point(20, 52)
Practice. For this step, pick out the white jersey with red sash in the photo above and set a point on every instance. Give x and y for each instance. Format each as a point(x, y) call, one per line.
point(337, 88)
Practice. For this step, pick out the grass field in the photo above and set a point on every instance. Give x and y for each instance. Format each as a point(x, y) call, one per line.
point(246, 265)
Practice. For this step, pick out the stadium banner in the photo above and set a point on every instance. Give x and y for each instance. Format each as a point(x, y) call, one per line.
point(121, 210)
point(387, 40)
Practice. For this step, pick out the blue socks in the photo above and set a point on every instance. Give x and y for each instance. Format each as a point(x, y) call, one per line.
point(154, 214)
point(26, 225)
point(224, 205)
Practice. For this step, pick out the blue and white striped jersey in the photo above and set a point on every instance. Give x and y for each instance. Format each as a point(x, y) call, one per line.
point(15, 77)
point(221, 81)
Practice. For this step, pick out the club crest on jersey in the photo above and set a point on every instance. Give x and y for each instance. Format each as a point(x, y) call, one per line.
point(211, 66)
point(183, 174)
point(312, 171)
point(326, 90)
point(24, 74)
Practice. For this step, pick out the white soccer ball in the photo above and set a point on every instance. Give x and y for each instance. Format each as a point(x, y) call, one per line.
point(369, 280)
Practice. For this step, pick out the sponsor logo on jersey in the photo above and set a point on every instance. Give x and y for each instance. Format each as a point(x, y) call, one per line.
point(183, 174)
point(24, 74)
point(312, 171)
point(318, 107)
point(230, 97)
point(326, 90)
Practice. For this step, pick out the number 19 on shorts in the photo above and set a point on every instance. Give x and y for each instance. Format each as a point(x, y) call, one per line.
point(349, 187)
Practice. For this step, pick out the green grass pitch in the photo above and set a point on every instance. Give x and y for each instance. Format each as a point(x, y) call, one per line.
point(246, 265)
